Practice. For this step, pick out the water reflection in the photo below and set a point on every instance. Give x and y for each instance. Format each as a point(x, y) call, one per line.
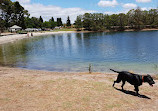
point(74, 51)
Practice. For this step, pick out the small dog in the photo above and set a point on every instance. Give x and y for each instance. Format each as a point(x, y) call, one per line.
point(133, 79)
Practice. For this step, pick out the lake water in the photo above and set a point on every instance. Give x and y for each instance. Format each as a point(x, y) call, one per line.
point(73, 52)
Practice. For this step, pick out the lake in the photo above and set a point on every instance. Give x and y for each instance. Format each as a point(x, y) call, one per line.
point(73, 52)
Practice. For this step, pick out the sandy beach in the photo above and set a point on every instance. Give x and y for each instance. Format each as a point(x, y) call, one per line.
point(32, 90)
point(15, 37)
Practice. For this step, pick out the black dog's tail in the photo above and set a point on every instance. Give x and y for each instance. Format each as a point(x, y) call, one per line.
point(114, 71)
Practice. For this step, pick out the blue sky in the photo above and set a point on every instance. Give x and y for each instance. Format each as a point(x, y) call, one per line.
point(93, 4)
point(72, 8)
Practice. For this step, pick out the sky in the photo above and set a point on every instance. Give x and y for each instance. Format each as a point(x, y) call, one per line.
point(73, 8)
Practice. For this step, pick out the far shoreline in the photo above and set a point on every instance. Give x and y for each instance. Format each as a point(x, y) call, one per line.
point(11, 38)
point(14, 37)
point(127, 30)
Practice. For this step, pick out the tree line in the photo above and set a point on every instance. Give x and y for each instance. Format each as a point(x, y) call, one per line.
point(12, 13)
point(136, 19)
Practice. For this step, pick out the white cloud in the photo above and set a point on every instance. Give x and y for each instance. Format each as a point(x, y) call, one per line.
point(143, 1)
point(129, 6)
point(118, 12)
point(147, 8)
point(23, 1)
point(105, 3)
point(109, 13)
point(48, 11)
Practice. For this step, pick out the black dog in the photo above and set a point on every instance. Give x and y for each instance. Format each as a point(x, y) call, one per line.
point(133, 79)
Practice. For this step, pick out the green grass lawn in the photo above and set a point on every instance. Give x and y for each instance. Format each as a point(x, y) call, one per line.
point(65, 29)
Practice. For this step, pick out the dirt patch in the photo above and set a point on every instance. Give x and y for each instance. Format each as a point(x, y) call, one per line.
point(27, 90)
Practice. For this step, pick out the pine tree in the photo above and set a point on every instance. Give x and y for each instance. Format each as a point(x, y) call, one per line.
point(52, 23)
point(41, 19)
point(68, 23)
point(52, 19)
point(59, 22)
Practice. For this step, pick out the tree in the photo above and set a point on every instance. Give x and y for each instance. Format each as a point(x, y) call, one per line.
point(19, 13)
point(35, 22)
point(59, 22)
point(52, 19)
point(32, 22)
point(47, 24)
point(6, 11)
point(130, 16)
point(28, 22)
point(41, 19)
point(107, 21)
point(68, 23)
point(52, 23)
point(153, 16)
point(2, 25)
point(97, 22)
point(138, 18)
point(145, 17)
point(122, 21)
point(12, 13)
point(78, 23)
point(87, 20)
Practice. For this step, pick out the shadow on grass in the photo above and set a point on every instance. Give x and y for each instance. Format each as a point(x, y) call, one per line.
point(132, 93)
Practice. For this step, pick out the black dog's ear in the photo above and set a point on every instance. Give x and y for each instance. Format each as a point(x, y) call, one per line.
point(148, 75)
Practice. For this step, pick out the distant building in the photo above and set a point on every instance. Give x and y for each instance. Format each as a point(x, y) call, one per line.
point(15, 28)
point(56, 27)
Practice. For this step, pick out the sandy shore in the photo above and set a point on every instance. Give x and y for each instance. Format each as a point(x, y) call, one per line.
point(32, 90)
point(128, 30)
point(14, 37)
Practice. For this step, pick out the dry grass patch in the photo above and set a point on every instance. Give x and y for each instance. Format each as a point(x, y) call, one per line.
point(64, 94)
point(39, 92)
point(155, 77)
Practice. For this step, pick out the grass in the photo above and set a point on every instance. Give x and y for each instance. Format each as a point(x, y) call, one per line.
point(4, 99)
point(65, 29)
point(22, 32)
point(156, 77)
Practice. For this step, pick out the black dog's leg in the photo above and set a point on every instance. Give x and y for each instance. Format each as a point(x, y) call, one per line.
point(117, 81)
point(123, 83)
point(136, 89)
point(114, 83)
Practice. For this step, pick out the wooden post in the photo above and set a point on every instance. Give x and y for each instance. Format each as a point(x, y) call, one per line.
point(90, 68)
